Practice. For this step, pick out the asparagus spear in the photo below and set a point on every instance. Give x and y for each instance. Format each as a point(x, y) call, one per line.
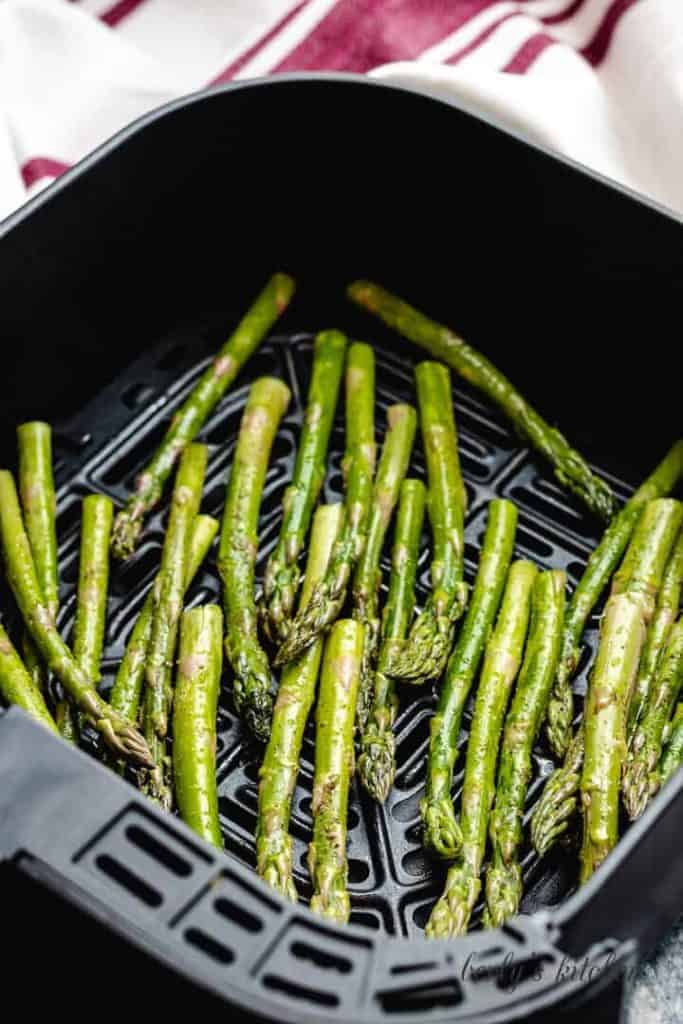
point(123, 738)
point(393, 464)
point(441, 830)
point(200, 662)
point(175, 555)
point(37, 490)
point(376, 763)
point(423, 655)
point(570, 468)
point(672, 758)
point(524, 719)
point(359, 466)
point(93, 584)
point(267, 402)
point(17, 686)
point(668, 601)
point(91, 610)
point(640, 578)
point(339, 682)
point(641, 776)
point(192, 415)
point(280, 765)
point(282, 575)
point(604, 728)
point(452, 912)
point(127, 688)
point(598, 571)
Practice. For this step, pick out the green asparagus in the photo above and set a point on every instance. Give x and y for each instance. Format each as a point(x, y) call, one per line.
point(376, 763)
point(441, 830)
point(359, 466)
point(599, 568)
point(17, 686)
point(192, 415)
point(279, 770)
point(123, 738)
point(524, 719)
point(570, 468)
point(93, 584)
point(672, 757)
point(393, 464)
point(604, 727)
point(39, 504)
point(127, 689)
point(282, 575)
point(200, 661)
point(175, 556)
point(266, 405)
point(452, 912)
point(668, 601)
point(640, 577)
point(422, 657)
point(335, 713)
point(641, 776)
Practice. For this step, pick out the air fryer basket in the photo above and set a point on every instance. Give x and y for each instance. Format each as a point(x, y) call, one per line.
point(118, 284)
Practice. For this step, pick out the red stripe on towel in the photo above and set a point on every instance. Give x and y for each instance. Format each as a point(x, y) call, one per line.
point(39, 167)
point(357, 35)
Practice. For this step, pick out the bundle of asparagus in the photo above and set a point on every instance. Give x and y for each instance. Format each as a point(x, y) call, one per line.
point(628, 744)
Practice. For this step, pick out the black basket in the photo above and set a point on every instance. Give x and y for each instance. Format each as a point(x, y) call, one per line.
point(119, 283)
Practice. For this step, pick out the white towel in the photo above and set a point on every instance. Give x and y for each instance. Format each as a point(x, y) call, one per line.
point(598, 80)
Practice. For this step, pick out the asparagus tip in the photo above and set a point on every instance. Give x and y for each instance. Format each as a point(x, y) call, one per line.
point(376, 762)
point(451, 913)
point(441, 830)
point(124, 536)
point(503, 893)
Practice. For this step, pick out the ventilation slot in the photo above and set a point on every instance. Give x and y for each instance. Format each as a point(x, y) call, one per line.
point(307, 994)
point(216, 950)
point(411, 968)
point(321, 958)
point(238, 915)
point(150, 845)
point(423, 999)
point(135, 885)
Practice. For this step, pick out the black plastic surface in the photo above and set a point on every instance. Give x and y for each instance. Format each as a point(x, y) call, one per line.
point(556, 276)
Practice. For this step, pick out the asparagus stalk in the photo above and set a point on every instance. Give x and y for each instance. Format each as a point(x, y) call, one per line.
point(392, 468)
point(192, 415)
point(93, 584)
point(642, 778)
point(570, 468)
point(672, 758)
point(452, 912)
point(91, 609)
point(279, 770)
point(282, 575)
point(423, 655)
point(376, 763)
point(127, 689)
point(524, 719)
point(267, 402)
point(441, 830)
point(123, 738)
point(339, 682)
point(598, 571)
point(640, 578)
point(17, 686)
point(37, 491)
point(200, 662)
point(604, 728)
point(359, 466)
point(668, 601)
point(175, 556)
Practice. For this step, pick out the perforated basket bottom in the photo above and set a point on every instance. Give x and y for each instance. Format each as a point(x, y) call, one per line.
point(392, 882)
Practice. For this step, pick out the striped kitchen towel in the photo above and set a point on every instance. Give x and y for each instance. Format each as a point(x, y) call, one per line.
point(598, 80)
